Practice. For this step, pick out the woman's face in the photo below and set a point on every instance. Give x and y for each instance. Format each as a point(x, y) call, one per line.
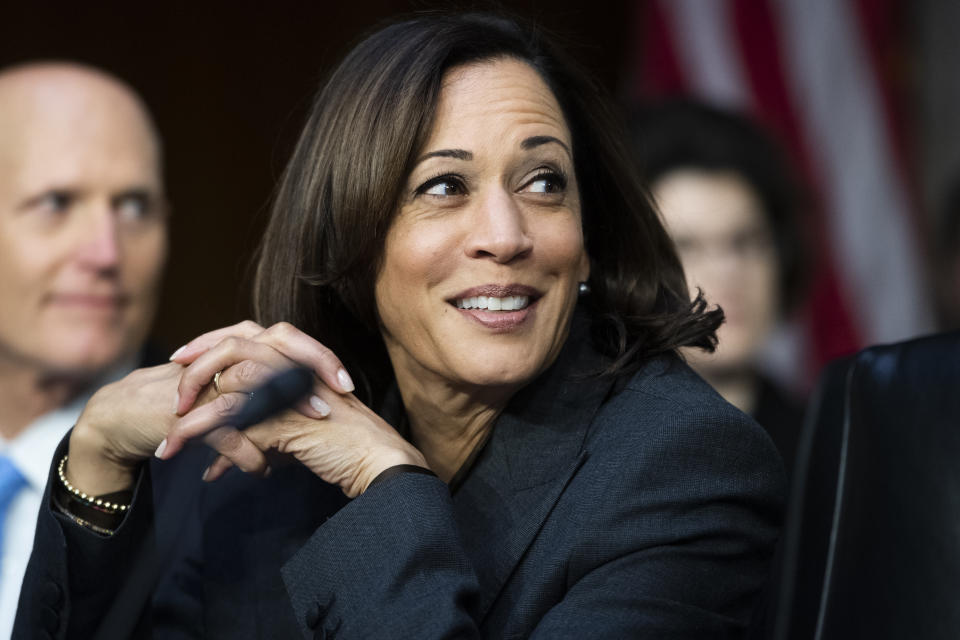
point(717, 222)
point(482, 262)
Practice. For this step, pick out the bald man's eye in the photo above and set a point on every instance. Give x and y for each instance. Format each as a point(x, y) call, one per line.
point(55, 202)
point(133, 207)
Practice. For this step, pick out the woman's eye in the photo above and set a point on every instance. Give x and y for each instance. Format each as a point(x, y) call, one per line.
point(444, 186)
point(547, 183)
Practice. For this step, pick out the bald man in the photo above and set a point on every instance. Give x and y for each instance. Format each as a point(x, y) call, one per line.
point(83, 241)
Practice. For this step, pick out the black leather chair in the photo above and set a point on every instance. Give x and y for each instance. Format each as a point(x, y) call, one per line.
point(871, 545)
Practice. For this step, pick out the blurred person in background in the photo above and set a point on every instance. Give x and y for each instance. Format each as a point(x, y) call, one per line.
point(730, 202)
point(83, 241)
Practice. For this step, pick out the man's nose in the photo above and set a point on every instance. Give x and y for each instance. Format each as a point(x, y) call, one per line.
point(100, 245)
point(498, 228)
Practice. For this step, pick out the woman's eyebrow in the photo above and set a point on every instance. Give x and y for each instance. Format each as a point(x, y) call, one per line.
point(536, 141)
point(459, 154)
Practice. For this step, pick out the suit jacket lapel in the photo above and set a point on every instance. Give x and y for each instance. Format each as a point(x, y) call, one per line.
point(535, 448)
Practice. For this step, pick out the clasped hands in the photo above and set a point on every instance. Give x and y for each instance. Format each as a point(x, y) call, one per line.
point(158, 410)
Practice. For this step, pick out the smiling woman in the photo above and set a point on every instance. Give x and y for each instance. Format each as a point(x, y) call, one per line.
point(527, 455)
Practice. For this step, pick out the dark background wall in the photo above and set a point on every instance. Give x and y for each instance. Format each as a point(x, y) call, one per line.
point(229, 84)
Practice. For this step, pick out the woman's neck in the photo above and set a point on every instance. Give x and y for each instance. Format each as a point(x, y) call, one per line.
point(446, 423)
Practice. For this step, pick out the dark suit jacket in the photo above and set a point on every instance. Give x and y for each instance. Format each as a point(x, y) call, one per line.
point(643, 506)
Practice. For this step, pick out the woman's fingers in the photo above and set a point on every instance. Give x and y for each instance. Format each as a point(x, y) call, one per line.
point(246, 376)
point(314, 406)
point(218, 467)
point(189, 352)
point(254, 363)
point(221, 349)
point(237, 450)
point(304, 350)
point(211, 422)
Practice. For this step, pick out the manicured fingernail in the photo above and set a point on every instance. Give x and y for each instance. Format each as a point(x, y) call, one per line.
point(344, 379)
point(206, 474)
point(176, 404)
point(163, 447)
point(320, 406)
point(177, 352)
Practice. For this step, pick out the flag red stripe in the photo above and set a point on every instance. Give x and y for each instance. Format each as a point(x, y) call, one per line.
point(660, 69)
point(831, 325)
point(761, 59)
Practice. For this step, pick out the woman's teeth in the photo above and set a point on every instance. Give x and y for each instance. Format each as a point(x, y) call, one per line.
point(509, 303)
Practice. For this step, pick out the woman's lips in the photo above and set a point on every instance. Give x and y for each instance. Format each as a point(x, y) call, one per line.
point(499, 320)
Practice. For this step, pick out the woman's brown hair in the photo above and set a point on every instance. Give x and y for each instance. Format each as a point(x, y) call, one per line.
point(337, 197)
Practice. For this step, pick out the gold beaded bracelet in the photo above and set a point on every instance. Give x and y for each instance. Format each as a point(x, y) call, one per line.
point(95, 502)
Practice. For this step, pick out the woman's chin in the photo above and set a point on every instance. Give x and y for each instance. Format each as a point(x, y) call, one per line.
point(497, 378)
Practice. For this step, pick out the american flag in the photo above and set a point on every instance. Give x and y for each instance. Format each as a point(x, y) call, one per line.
point(814, 71)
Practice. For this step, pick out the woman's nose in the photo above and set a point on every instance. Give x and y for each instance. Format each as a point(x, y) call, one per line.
point(498, 230)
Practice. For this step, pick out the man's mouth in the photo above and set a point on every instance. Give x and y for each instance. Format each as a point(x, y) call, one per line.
point(88, 301)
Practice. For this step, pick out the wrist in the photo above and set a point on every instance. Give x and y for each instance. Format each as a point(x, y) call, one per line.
point(102, 514)
point(92, 469)
point(400, 469)
point(402, 460)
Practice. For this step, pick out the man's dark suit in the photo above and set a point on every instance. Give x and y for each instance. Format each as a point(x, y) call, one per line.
point(638, 507)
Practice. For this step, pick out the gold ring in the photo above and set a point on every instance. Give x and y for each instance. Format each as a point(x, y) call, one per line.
point(216, 382)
